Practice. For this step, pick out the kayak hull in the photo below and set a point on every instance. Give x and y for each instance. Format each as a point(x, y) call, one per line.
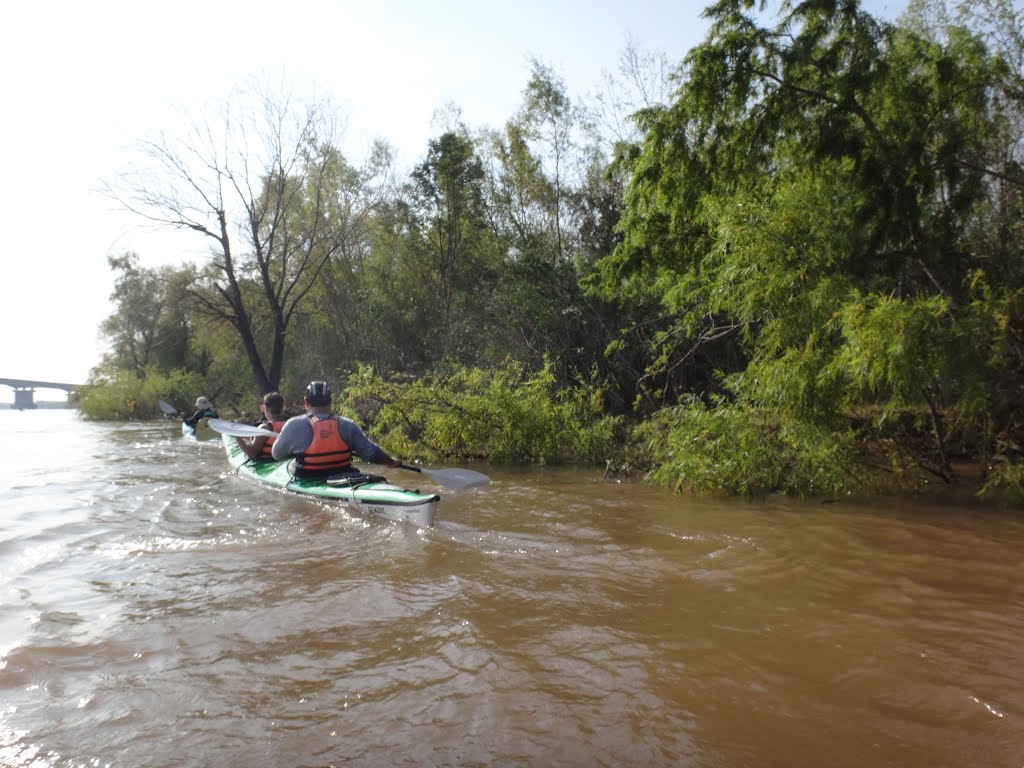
point(373, 497)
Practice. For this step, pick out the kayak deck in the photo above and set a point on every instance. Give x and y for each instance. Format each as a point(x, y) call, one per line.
point(366, 494)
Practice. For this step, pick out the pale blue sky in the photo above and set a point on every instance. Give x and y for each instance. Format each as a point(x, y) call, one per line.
point(83, 81)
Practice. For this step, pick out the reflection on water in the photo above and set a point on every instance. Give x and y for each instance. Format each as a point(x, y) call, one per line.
point(156, 610)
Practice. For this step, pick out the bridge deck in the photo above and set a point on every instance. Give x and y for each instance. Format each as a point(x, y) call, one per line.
point(30, 384)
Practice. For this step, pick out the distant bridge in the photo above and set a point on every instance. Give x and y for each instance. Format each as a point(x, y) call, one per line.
point(25, 389)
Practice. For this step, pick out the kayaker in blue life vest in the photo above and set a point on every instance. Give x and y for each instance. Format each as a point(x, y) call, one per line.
point(323, 442)
point(204, 410)
point(272, 409)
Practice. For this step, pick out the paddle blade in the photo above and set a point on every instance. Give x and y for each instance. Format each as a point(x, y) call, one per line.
point(452, 478)
point(203, 431)
point(167, 408)
point(238, 430)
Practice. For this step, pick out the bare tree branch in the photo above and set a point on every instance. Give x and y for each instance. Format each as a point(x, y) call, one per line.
point(261, 177)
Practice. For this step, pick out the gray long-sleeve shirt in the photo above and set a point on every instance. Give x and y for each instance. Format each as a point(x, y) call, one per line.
point(297, 434)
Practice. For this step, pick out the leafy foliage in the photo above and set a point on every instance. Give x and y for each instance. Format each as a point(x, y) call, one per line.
point(814, 200)
point(125, 396)
point(748, 451)
point(505, 414)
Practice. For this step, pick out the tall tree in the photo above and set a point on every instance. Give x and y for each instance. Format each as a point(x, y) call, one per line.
point(548, 119)
point(447, 201)
point(265, 183)
point(174, 347)
point(642, 79)
point(139, 299)
point(516, 192)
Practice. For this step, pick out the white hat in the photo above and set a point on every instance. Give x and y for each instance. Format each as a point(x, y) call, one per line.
point(202, 402)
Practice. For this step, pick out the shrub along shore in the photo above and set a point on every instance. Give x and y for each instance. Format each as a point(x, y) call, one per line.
point(509, 416)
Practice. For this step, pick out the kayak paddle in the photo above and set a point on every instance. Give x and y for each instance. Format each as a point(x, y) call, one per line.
point(235, 429)
point(450, 478)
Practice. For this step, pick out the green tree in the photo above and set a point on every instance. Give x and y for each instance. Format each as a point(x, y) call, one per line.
point(516, 193)
point(447, 206)
point(548, 119)
point(176, 344)
point(803, 215)
point(132, 329)
point(446, 193)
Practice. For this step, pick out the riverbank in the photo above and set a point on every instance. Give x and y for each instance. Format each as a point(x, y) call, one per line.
point(509, 416)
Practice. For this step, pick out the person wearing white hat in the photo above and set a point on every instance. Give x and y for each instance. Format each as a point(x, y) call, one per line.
point(204, 409)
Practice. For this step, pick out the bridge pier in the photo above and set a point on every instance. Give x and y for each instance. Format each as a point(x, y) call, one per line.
point(24, 398)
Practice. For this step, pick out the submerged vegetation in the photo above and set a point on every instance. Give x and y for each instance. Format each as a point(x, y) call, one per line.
point(797, 268)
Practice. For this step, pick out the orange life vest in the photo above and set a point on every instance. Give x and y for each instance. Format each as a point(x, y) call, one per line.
point(328, 452)
point(269, 442)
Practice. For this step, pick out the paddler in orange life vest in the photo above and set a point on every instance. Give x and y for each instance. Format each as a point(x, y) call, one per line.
point(272, 409)
point(321, 442)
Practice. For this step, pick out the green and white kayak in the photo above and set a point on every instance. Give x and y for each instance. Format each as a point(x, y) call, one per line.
point(203, 432)
point(368, 494)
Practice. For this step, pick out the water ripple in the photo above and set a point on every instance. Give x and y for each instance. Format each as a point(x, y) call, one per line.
point(156, 610)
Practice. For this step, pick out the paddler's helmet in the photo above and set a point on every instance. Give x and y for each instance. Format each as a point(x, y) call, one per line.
point(318, 393)
point(202, 402)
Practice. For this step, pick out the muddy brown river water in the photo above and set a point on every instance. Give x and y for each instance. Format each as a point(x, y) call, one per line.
point(156, 610)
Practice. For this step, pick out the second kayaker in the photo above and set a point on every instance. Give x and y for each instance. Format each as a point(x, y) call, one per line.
point(272, 409)
point(204, 410)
